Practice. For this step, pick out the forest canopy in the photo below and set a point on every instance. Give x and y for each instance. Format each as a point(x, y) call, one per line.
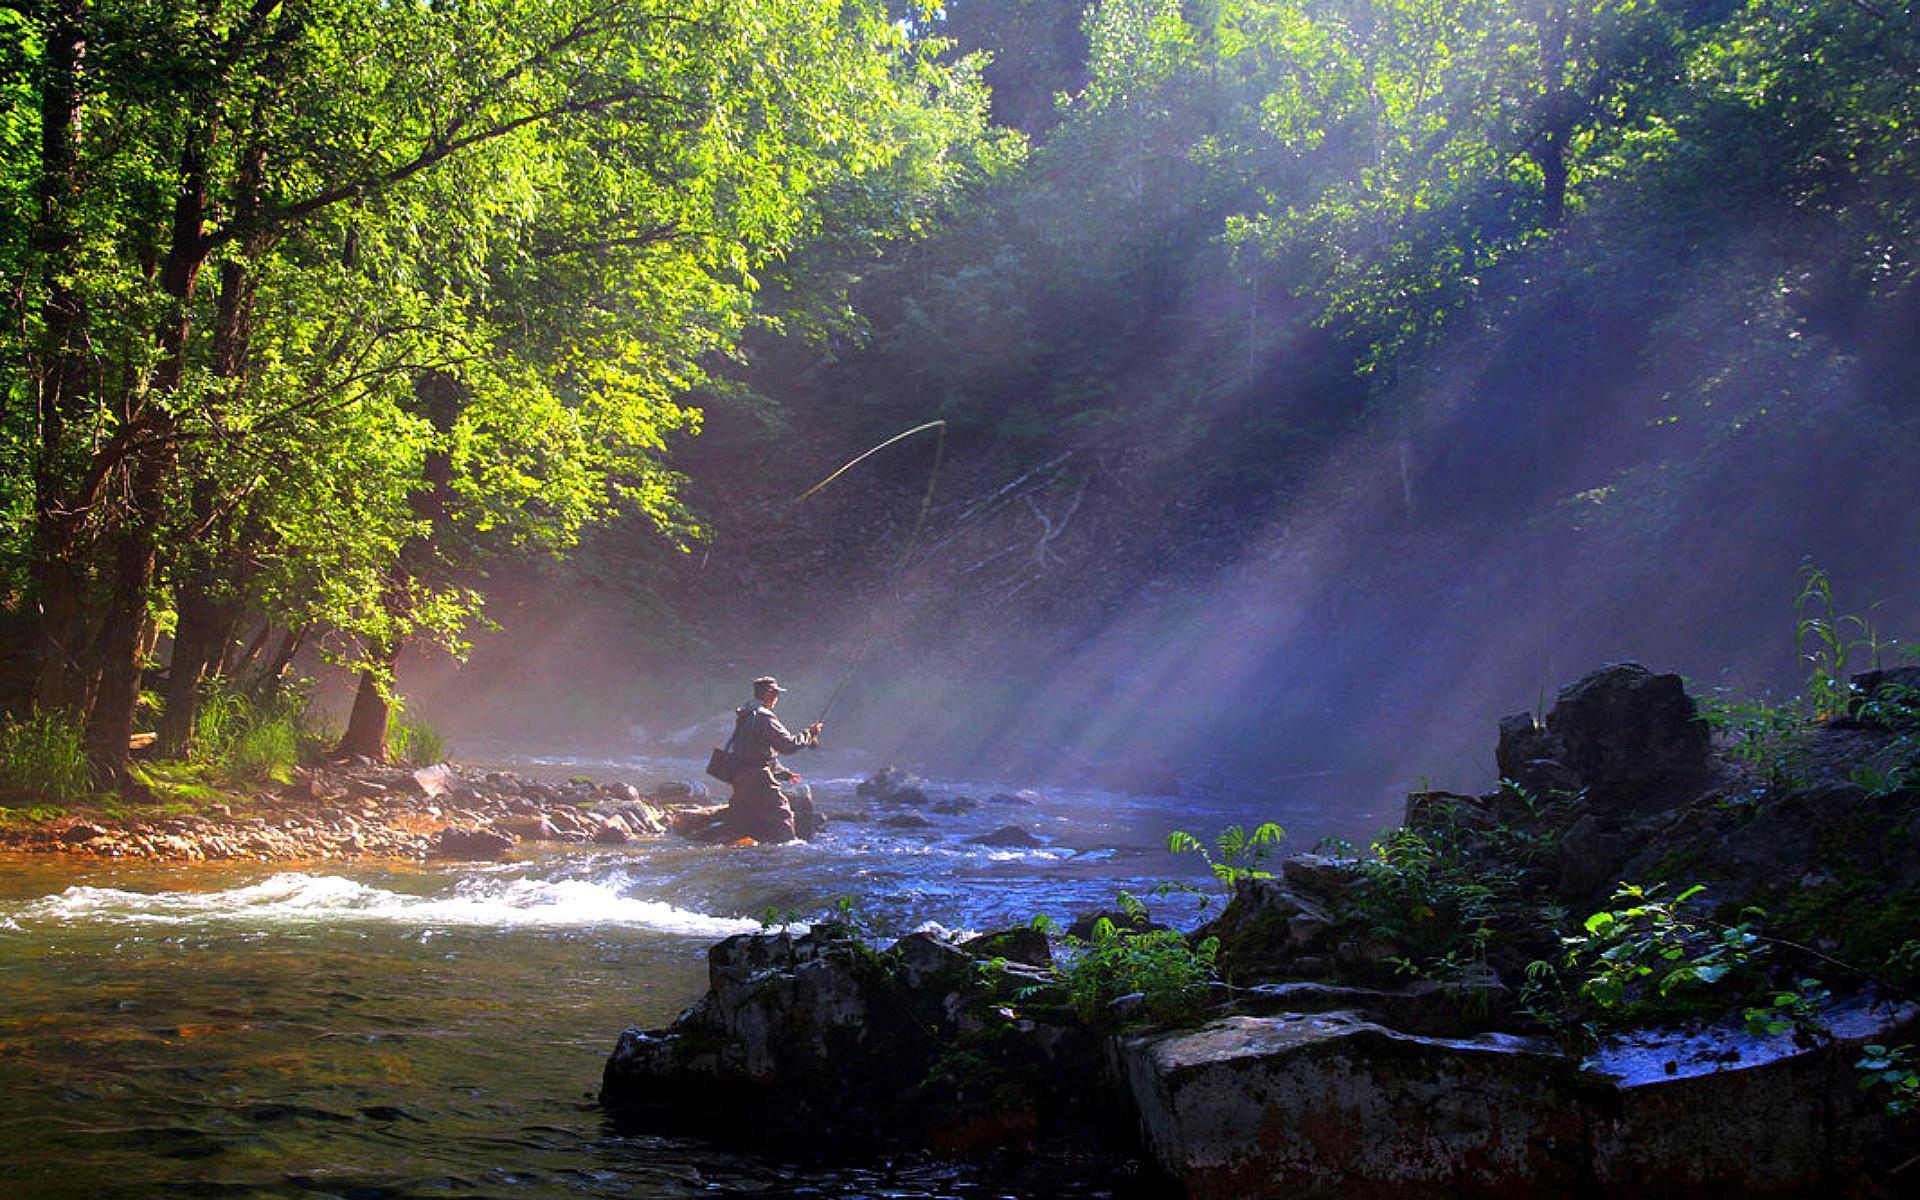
point(1298, 357)
point(316, 307)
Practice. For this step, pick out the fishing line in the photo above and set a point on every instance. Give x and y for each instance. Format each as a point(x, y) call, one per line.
point(906, 554)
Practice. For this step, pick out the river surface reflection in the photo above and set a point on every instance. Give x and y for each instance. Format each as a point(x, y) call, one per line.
point(378, 1031)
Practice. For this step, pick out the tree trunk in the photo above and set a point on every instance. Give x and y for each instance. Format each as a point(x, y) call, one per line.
point(206, 625)
point(275, 668)
point(59, 370)
point(366, 733)
point(110, 724)
point(194, 647)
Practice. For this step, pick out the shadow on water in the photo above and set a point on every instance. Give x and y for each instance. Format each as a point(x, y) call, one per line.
point(382, 1031)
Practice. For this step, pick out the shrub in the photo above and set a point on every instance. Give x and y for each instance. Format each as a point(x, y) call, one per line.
point(1172, 976)
point(44, 757)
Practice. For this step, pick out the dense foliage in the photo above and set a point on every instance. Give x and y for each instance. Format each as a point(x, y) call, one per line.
point(1457, 340)
point(318, 307)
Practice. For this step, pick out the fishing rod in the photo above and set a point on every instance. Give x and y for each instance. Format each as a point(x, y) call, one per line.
point(913, 536)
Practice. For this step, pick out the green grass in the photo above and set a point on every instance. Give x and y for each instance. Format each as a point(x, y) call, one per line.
point(43, 757)
point(414, 742)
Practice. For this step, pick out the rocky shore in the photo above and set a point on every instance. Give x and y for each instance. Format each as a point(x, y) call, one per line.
point(1407, 1022)
point(365, 810)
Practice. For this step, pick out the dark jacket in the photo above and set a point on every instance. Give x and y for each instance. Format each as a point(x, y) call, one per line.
point(762, 738)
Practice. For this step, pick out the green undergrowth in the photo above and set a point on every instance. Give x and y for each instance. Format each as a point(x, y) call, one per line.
point(1777, 738)
point(43, 761)
point(414, 742)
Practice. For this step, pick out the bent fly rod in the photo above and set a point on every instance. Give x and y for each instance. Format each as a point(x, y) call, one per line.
point(913, 537)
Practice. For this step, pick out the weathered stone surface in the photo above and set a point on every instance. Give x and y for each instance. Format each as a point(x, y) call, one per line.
point(1332, 1105)
point(1716, 1112)
point(821, 1034)
point(1265, 928)
point(1454, 1008)
point(1321, 876)
point(1634, 738)
point(1022, 945)
point(531, 829)
point(469, 843)
point(1335, 1104)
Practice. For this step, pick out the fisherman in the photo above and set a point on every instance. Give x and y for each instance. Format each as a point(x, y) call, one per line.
point(761, 808)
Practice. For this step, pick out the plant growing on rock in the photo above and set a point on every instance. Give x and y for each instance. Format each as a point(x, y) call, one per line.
point(1240, 855)
point(1424, 892)
point(1897, 1070)
point(1172, 976)
point(1646, 953)
point(1831, 644)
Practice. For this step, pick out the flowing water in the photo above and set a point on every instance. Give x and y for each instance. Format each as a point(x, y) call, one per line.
point(380, 1031)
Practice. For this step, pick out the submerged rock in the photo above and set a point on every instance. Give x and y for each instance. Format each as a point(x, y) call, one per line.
point(891, 785)
point(469, 843)
point(1009, 837)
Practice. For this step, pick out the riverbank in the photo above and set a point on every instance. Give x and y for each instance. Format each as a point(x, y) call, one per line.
point(1672, 954)
point(351, 811)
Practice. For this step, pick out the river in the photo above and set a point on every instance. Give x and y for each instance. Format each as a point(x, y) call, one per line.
point(379, 1031)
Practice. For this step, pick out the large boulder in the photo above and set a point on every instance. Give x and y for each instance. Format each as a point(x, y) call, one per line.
point(1266, 929)
point(1714, 1111)
point(800, 1037)
point(470, 843)
point(1633, 738)
point(1334, 1105)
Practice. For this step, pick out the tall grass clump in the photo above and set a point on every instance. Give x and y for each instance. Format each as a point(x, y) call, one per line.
point(44, 757)
point(248, 737)
point(414, 742)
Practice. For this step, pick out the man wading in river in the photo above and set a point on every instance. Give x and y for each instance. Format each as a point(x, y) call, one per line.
point(760, 809)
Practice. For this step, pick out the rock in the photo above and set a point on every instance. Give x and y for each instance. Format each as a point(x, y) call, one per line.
point(613, 832)
point(929, 961)
point(1332, 1104)
point(1083, 925)
point(955, 807)
point(1023, 944)
point(1428, 810)
point(1634, 738)
point(800, 1038)
point(1590, 861)
point(434, 781)
point(1020, 797)
point(1522, 740)
point(1322, 877)
point(1454, 1008)
point(891, 785)
point(469, 843)
point(531, 829)
point(82, 831)
point(906, 821)
point(1264, 928)
point(1009, 836)
point(1717, 1112)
